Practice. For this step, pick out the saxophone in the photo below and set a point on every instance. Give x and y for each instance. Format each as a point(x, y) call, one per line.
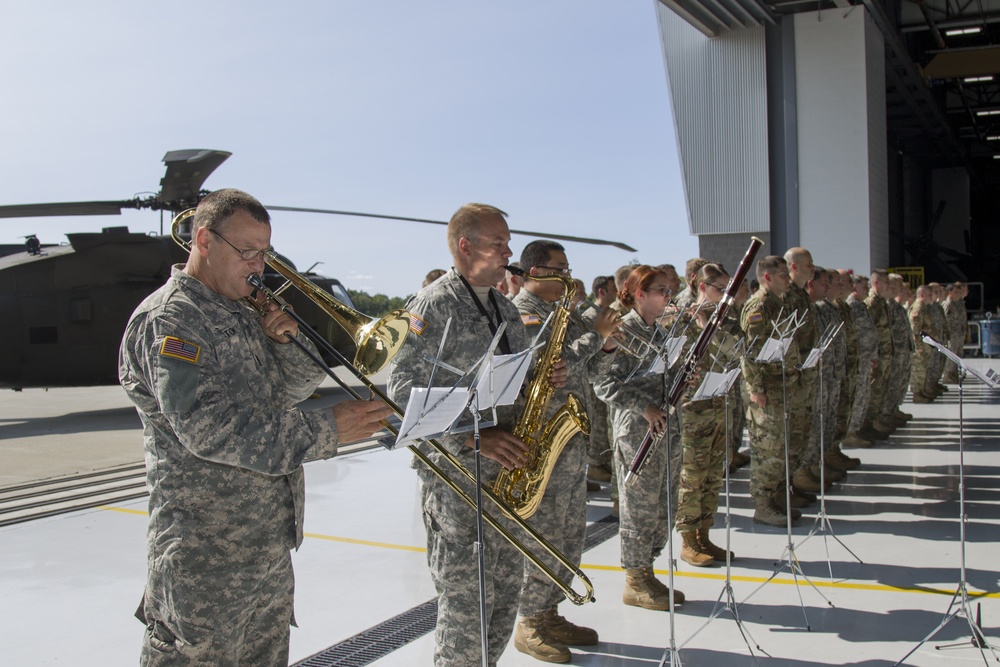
point(522, 489)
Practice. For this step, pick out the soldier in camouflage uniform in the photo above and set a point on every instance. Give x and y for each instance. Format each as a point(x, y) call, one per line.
point(689, 294)
point(940, 333)
point(902, 342)
point(841, 287)
point(867, 362)
point(731, 325)
point(637, 405)
point(875, 428)
point(704, 426)
point(214, 385)
point(562, 515)
point(803, 399)
point(600, 464)
point(478, 240)
point(958, 322)
point(766, 391)
point(921, 320)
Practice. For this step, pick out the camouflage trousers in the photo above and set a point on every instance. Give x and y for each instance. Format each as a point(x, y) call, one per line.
point(956, 343)
point(767, 447)
point(899, 379)
point(562, 519)
point(824, 414)
point(227, 618)
point(845, 403)
point(738, 417)
point(703, 440)
point(880, 384)
point(862, 396)
point(599, 445)
point(801, 401)
point(918, 373)
point(643, 503)
point(453, 562)
point(935, 368)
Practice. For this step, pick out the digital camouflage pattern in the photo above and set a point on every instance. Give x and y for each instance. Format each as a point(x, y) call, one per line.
point(849, 381)
point(831, 374)
point(738, 397)
point(643, 502)
point(879, 311)
point(449, 521)
point(902, 346)
point(935, 367)
point(920, 320)
point(224, 449)
point(957, 324)
point(868, 348)
point(802, 400)
point(767, 424)
point(562, 515)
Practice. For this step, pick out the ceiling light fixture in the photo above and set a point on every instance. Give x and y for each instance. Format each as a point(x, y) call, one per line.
point(977, 79)
point(963, 31)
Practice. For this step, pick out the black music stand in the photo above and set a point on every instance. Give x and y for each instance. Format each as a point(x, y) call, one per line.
point(961, 596)
point(822, 522)
point(730, 374)
point(774, 351)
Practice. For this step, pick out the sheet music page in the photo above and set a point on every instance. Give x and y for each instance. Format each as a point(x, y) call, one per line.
point(713, 385)
point(812, 359)
point(672, 350)
point(501, 382)
point(772, 350)
point(444, 406)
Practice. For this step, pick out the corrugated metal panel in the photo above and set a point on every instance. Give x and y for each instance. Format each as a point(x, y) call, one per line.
point(719, 98)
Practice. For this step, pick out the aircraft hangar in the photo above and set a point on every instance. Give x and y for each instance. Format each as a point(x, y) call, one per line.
point(866, 131)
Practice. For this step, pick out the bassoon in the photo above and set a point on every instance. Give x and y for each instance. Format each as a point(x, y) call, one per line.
point(696, 352)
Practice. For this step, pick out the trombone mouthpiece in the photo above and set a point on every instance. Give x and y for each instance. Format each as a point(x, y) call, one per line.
point(255, 281)
point(517, 271)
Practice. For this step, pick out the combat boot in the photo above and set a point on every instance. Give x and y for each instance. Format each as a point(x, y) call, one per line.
point(598, 472)
point(895, 420)
point(883, 427)
point(766, 514)
point(802, 480)
point(798, 501)
point(940, 387)
point(565, 632)
point(838, 459)
point(921, 397)
point(531, 637)
point(692, 552)
point(905, 416)
point(717, 552)
point(740, 459)
point(868, 432)
point(778, 502)
point(642, 589)
point(828, 474)
point(853, 439)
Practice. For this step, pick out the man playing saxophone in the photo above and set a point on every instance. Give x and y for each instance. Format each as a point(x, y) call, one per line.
point(562, 515)
point(478, 240)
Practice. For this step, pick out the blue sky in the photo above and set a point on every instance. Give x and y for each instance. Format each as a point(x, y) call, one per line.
point(556, 111)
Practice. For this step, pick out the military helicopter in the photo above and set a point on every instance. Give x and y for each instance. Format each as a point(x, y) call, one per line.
point(63, 308)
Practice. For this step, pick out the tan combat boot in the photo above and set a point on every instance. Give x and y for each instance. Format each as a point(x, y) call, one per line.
point(642, 589)
point(565, 632)
point(853, 439)
point(532, 637)
point(718, 553)
point(768, 515)
point(802, 480)
point(692, 552)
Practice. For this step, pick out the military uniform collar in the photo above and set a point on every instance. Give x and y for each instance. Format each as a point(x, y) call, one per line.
point(189, 283)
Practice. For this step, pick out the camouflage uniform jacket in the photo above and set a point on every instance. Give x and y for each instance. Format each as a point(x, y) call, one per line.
point(868, 343)
point(902, 337)
point(956, 317)
point(806, 336)
point(718, 357)
point(921, 320)
point(760, 311)
point(468, 338)
point(224, 446)
point(580, 344)
point(850, 334)
point(835, 358)
point(940, 322)
point(879, 310)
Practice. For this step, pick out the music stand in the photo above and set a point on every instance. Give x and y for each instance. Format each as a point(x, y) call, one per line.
point(774, 351)
point(822, 522)
point(961, 595)
point(713, 385)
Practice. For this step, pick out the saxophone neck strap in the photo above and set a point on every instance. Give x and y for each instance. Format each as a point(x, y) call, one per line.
point(493, 324)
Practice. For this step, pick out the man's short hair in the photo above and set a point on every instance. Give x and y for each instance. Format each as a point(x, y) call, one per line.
point(465, 223)
point(537, 253)
point(601, 282)
point(432, 275)
point(769, 264)
point(622, 274)
point(693, 265)
point(219, 206)
point(880, 274)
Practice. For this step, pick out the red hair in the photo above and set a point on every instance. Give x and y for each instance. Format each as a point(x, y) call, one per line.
point(641, 278)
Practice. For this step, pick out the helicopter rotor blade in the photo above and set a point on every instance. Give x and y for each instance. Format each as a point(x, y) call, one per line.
point(545, 235)
point(64, 208)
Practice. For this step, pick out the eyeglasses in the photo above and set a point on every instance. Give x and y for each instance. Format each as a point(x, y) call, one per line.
point(557, 269)
point(663, 291)
point(721, 289)
point(248, 255)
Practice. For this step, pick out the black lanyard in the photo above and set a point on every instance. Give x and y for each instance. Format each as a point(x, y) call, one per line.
point(504, 343)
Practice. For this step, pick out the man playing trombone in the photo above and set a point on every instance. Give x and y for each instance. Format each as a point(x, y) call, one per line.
point(214, 384)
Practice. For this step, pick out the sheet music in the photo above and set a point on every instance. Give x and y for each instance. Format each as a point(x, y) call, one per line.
point(716, 384)
point(812, 359)
point(444, 405)
point(773, 350)
point(501, 377)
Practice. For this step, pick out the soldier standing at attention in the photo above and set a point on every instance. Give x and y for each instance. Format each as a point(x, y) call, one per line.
point(803, 397)
point(874, 427)
point(600, 465)
point(940, 333)
point(562, 516)
point(478, 240)
point(215, 385)
point(954, 311)
point(766, 414)
point(921, 321)
point(867, 362)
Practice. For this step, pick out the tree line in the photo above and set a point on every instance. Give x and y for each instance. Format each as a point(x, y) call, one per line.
point(376, 305)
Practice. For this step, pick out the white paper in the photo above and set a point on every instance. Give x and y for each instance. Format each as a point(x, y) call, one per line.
point(500, 380)
point(773, 350)
point(443, 406)
point(812, 359)
point(715, 384)
point(672, 349)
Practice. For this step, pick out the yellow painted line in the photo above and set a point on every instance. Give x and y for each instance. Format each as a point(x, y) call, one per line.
point(366, 543)
point(803, 582)
point(123, 510)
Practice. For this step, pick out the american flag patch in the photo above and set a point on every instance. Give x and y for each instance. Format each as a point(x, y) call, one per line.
point(755, 318)
point(530, 320)
point(417, 325)
point(180, 349)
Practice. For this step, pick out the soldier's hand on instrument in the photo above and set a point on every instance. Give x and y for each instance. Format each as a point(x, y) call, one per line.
point(357, 420)
point(559, 374)
point(656, 417)
point(758, 399)
point(501, 446)
point(608, 321)
point(276, 323)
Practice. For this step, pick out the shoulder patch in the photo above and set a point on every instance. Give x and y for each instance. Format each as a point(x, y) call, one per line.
point(417, 325)
point(754, 318)
point(530, 320)
point(180, 349)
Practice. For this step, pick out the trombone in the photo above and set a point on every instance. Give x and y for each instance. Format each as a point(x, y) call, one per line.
point(360, 321)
